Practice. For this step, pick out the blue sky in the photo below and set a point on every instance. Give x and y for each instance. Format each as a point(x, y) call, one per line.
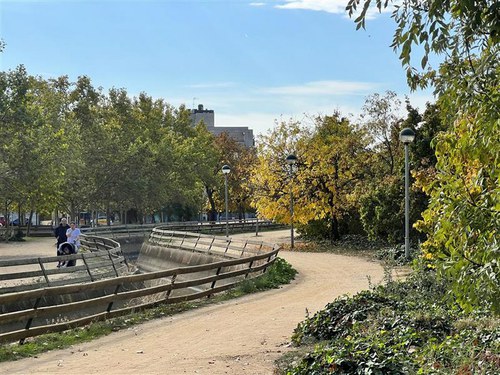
point(251, 62)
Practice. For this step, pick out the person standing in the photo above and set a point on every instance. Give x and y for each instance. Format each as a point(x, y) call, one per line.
point(73, 235)
point(60, 232)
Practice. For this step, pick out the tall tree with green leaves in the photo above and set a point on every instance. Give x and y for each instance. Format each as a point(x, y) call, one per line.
point(86, 139)
point(382, 118)
point(241, 160)
point(50, 117)
point(381, 196)
point(14, 118)
point(463, 217)
point(203, 159)
point(32, 119)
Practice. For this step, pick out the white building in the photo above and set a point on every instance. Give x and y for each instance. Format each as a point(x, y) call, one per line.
point(240, 134)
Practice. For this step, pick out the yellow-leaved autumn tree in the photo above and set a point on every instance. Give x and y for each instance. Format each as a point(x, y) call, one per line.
point(331, 162)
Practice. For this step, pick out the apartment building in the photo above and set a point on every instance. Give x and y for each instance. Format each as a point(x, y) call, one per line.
point(241, 134)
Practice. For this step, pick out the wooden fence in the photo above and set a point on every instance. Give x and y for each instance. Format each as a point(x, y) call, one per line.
point(130, 230)
point(122, 231)
point(51, 308)
point(98, 258)
point(215, 245)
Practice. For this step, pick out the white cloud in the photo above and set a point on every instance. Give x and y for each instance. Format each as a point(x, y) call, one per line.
point(257, 4)
point(262, 122)
point(329, 6)
point(259, 108)
point(324, 88)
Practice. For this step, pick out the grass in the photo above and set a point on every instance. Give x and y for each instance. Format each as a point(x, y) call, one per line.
point(280, 273)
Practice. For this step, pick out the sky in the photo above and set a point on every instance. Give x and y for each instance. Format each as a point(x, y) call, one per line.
point(253, 63)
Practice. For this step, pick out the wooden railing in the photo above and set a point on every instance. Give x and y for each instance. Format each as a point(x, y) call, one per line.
point(98, 258)
point(214, 245)
point(58, 308)
point(120, 231)
point(144, 229)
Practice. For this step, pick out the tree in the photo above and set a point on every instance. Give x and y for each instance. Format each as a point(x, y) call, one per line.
point(242, 189)
point(382, 195)
point(49, 119)
point(204, 159)
point(463, 217)
point(14, 87)
point(335, 162)
point(382, 198)
point(86, 139)
point(331, 162)
point(31, 122)
point(270, 175)
point(382, 120)
point(241, 160)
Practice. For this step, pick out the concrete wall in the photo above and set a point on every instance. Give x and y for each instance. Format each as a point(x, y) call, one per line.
point(157, 258)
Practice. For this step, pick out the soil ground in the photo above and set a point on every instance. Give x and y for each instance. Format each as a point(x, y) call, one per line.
point(241, 336)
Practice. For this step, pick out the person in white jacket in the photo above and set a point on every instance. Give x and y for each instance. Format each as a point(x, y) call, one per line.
point(73, 234)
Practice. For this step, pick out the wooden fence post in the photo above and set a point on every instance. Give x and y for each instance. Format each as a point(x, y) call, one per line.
point(171, 283)
point(110, 305)
point(113, 264)
point(211, 243)
point(43, 271)
point(243, 250)
point(88, 268)
point(250, 268)
point(213, 282)
point(30, 320)
point(196, 243)
point(227, 246)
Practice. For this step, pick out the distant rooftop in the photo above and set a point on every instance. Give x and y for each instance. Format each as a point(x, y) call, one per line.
point(241, 134)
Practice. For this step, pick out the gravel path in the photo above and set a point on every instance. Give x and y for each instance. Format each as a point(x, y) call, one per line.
point(242, 336)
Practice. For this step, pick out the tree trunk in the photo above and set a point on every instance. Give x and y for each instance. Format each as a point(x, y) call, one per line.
point(335, 234)
point(212, 213)
point(28, 228)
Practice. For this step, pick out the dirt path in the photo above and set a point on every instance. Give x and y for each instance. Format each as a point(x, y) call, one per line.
point(243, 336)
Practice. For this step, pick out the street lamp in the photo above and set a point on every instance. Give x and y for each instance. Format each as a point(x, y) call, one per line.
point(407, 136)
point(225, 170)
point(291, 160)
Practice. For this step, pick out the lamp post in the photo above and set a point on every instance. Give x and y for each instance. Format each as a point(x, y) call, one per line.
point(407, 136)
point(291, 160)
point(225, 170)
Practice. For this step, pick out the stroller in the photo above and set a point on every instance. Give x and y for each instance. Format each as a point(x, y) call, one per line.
point(66, 248)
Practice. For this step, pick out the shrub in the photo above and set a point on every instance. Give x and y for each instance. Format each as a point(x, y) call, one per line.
point(404, 327)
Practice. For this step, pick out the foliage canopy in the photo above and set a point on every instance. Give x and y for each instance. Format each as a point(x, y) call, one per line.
point(462, 220)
